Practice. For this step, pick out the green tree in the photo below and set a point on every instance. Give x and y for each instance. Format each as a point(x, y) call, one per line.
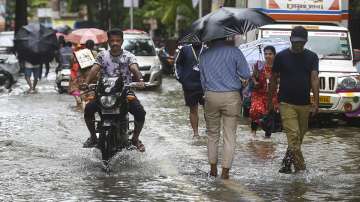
point(166, 12)
point(38, 3)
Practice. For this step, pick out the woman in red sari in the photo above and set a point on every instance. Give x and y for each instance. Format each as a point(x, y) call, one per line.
point(260, 79)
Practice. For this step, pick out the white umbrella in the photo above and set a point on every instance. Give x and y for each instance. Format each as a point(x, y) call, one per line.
point(254, 51)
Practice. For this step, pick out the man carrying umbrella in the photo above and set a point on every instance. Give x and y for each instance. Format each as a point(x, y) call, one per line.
point(297, 69)
point(221, 68)
point(35, 44)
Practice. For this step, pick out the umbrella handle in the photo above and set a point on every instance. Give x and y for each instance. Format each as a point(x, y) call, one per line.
point(260, 52)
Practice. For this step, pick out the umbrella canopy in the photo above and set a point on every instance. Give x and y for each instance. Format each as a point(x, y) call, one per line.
point(36, 43)
point(254, 51)
point(80, 36)
point(226, 22)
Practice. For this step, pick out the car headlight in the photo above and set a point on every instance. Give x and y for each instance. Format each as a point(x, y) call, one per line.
point(156, 68)
point(349, 83)
point(108, 101)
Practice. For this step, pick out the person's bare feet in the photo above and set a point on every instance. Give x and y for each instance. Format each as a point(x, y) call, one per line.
point(195, 137)
point(225, 173)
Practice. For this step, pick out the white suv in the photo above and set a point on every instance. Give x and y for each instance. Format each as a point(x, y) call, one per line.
point(142, 46)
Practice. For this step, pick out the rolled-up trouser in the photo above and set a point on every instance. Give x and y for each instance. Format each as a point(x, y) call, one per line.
point(295, 120)
point(223, 106)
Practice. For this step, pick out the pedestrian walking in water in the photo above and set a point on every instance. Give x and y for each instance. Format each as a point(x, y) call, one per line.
point(47, 69)
point(188, 74)
point(222, 67)
point(259, 95)
point(34, 70)
point(297, 69)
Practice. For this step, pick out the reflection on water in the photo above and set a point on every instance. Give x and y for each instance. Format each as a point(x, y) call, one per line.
point(41, 157)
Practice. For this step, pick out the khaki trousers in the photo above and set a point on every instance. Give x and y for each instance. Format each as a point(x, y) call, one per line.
point(225, 107)
point(295, 120)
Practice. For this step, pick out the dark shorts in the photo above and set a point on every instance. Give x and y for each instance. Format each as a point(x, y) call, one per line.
point(34, 71)
point(193, 98)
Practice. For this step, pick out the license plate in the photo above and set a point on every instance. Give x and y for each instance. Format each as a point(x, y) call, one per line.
point(64, 83)
point(322, 99)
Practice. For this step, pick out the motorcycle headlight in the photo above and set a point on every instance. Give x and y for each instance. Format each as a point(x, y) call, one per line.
point(349, 83)
point(108, 101)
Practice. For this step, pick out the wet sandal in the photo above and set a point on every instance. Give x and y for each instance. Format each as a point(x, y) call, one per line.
point(140, 146)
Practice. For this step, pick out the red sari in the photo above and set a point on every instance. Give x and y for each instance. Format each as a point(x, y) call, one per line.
point(259, 95)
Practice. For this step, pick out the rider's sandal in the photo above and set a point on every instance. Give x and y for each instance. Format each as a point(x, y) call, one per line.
point(140, 146)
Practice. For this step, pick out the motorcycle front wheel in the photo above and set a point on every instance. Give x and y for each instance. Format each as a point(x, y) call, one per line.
point(105, 145)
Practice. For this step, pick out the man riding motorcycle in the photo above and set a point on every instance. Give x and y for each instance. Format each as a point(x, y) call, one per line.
point(114, 63)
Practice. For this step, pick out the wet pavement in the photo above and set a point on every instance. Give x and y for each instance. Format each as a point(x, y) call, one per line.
point(42, 159)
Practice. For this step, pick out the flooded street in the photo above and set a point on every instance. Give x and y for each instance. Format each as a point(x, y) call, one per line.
point(42, 159)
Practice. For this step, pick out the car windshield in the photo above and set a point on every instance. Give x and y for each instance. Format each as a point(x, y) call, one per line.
point(328, 45)
point(139, 47)
point(6, 40)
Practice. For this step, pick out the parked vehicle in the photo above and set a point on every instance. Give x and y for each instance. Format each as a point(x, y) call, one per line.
point(63, 79)
point(142, 46)
point(9, 64)
point(167, 61)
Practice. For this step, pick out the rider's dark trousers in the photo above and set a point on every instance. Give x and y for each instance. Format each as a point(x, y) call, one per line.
point(135, 108)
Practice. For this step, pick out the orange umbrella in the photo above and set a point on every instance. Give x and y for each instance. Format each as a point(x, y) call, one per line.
point(80, 36)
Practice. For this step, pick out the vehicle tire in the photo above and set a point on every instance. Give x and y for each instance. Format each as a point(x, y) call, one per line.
point(59, 88)
point(353, 121)
point(9, 80)
point(104, 146)
point(161, 81)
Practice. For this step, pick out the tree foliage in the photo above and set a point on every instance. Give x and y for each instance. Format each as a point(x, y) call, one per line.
point(166, 12)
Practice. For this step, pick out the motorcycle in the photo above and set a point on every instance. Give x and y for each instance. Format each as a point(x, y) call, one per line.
point(63, 79)
point(112, 96)
point(9, 68)
point(167, 61)
point(6, 80)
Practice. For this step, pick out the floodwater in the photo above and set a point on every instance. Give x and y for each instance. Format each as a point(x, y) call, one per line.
point(42, 159)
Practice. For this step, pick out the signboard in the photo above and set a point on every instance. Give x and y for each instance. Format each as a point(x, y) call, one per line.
point(128, 3)
point(85, 58)
point(268, 33)
point(44, 12)
point(307, 5)
point(308, 10)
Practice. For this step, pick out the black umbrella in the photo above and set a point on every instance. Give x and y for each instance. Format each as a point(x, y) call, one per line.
point(36, 43)
point(226, 22)
point(63, 29)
